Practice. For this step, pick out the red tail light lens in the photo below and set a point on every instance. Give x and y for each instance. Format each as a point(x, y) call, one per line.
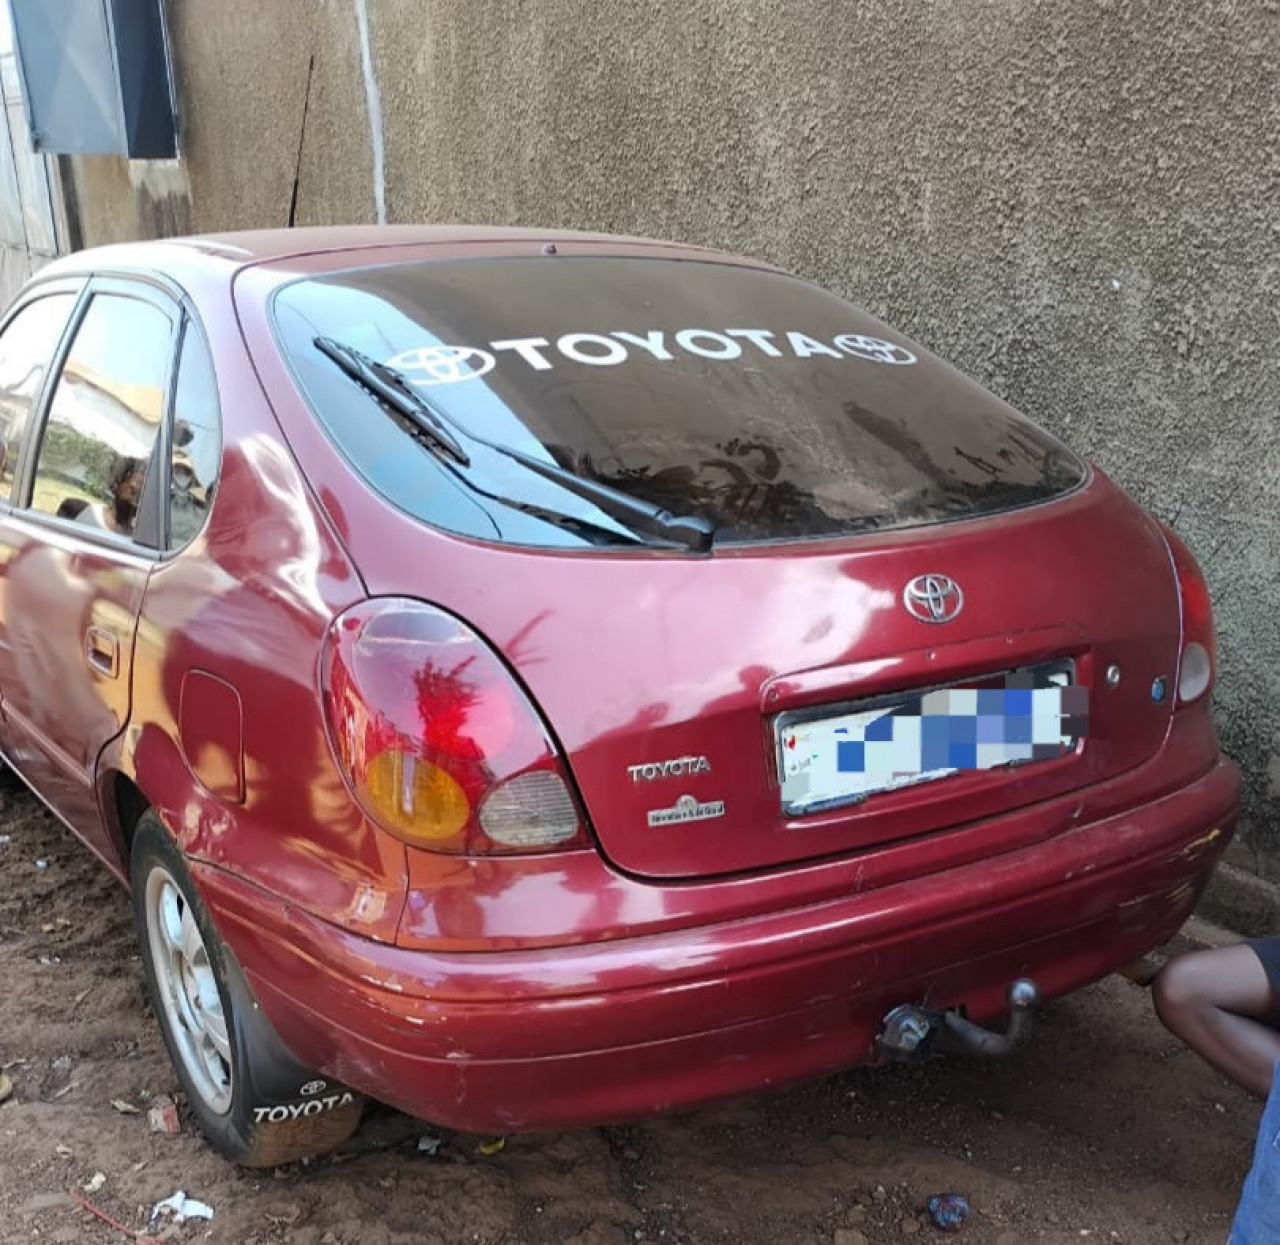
point(1198, 662)
point(438, 742)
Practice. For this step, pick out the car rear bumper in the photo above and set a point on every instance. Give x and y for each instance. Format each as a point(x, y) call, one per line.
point(507, 1040)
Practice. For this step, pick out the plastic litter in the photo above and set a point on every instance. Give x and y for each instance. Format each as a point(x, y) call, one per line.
point(125, 1108)
point(42, 864)
point(429, 1144)
point(94, 1183)
point(180, 1208)
point(490, 1148)
point(949, 1210)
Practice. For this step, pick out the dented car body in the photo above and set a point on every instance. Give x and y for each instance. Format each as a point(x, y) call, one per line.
point(602, 676)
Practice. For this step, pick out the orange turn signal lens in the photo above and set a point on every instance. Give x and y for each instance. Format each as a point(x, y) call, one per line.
point(415, 798)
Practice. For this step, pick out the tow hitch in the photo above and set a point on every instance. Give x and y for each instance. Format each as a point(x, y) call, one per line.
point(912, 1032)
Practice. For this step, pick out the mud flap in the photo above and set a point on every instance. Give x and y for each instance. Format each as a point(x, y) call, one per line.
point(280, 1087)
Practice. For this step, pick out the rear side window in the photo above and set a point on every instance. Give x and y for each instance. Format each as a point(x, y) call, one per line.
point(105, 416)
point(196, 441)
point(26, 348)
point(760, 402)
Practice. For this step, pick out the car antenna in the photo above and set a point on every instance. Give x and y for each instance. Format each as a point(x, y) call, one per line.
point(302, 135)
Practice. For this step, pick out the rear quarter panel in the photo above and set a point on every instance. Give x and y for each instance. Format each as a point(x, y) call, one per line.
point(249, 602)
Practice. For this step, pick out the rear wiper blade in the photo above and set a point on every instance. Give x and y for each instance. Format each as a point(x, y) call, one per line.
point(390, 387)
point(594, 532)
point(692, 531)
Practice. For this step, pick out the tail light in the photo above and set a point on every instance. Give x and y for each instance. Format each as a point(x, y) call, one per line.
point(1197, 664)
point(439, 744)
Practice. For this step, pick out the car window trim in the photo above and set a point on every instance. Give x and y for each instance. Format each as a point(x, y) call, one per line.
point(35, 418)
point(41, 289)
point(128, 287)
point(134, 277)
point(190, 324)
point(85, 534)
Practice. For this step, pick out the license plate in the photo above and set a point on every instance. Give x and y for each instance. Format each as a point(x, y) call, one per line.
point(833, 756)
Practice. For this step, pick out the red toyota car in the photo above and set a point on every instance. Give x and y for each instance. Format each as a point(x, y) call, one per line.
point(540, 679)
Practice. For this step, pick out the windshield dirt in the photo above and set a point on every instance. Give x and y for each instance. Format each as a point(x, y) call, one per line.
point(754, 400)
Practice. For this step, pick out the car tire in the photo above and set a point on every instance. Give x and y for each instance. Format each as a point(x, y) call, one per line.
point(256, 1104)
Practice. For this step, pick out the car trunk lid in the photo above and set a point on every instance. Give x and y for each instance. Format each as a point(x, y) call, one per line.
point(668, 701)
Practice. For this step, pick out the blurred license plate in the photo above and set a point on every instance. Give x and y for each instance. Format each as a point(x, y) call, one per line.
point(829, 757)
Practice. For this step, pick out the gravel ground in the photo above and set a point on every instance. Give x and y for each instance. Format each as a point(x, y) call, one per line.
point(1103, 1130)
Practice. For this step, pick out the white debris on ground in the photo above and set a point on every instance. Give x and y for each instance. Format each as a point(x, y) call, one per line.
point(180, 1208)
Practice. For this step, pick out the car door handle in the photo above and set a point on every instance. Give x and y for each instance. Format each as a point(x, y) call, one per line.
point(102, 651)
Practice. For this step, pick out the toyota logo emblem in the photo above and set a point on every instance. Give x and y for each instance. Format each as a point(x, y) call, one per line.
point(933, 598)
point(442, 365)
point(874, 348)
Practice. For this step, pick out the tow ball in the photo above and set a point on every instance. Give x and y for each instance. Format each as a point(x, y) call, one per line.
point(912, 1032)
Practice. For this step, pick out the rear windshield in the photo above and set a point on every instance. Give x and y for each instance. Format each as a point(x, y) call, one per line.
point(760, 402)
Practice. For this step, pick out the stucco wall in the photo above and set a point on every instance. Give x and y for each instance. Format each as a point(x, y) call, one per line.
point(1077, 203)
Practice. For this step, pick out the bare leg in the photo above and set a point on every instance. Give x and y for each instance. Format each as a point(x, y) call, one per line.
point(1212, 1001)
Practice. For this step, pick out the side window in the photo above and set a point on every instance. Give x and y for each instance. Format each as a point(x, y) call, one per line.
point(105, 415)
point(26, 347)
point(197, 440)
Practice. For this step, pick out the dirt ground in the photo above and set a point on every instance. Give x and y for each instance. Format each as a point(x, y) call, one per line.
point(1104, 1130)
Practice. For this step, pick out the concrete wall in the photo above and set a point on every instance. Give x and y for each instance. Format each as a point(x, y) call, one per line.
point(1077, 203)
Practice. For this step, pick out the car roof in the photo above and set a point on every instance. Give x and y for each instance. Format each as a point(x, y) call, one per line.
point(351, 245)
